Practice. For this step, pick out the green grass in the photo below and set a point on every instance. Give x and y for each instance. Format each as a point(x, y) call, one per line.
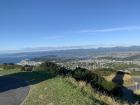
point(136, 73)
point(121, 66)
point(48, 89)
point(6, 72)
point(57, 91)
point(105, 71)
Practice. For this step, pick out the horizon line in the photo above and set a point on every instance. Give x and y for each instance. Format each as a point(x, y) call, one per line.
point(58, 48)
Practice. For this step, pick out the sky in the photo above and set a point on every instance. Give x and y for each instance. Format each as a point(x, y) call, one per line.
point(55, 23)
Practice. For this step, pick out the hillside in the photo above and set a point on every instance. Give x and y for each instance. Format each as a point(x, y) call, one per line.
point(52, 84)
point(59, 90)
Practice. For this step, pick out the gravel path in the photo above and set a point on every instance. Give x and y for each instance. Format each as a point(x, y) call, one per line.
point(12, 90)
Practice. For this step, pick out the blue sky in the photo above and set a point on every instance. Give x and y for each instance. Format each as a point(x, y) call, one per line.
point(43, 23)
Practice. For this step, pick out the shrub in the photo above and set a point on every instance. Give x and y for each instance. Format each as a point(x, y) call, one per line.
point(63, 71)
point(49, 67)
point(86, 75)
point(27, 68)
point(95, 80)
point(8, 66)
point(53, 68)
point(80, 74)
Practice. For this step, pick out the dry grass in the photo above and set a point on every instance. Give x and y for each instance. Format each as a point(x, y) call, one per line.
point(87, 89)
point(57, 91)
point(137, 92)
point(127, 79)
point(65, 91)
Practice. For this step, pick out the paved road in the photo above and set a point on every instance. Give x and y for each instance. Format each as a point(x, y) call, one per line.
point(12, 91)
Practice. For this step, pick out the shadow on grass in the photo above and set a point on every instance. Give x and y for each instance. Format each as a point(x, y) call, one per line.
point(127, 94)
point(23, 79)
point(17, 80)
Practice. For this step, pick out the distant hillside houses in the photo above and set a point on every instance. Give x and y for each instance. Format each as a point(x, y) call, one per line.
point(28, 62)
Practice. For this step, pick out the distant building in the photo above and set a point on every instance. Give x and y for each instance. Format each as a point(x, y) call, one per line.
point(28, 62)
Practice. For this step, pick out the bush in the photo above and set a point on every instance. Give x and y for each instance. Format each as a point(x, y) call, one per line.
point(49, 67)
point(8, 66)
point(63, 71)
point(95, 80)
point(53, 68)
point(86, 75)
point(27, 68)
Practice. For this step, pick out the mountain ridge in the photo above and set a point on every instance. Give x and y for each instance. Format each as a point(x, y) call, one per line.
point(91, 52)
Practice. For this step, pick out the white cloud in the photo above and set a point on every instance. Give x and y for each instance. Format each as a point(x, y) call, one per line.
point(128, 28)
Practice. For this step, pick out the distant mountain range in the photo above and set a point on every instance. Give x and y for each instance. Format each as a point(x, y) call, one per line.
point(77, 52)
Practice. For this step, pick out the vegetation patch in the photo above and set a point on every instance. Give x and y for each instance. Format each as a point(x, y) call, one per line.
point(95, 80)
point(53, 85)
point(105, 71)
point(137, 92)
point(57, 91)
point(123, 79)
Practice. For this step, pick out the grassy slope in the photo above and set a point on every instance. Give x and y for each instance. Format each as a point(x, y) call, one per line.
point(53, 91)
point(59, 91)
point(56, 91)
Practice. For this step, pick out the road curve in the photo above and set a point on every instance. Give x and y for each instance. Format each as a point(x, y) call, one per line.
point(12, 90)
